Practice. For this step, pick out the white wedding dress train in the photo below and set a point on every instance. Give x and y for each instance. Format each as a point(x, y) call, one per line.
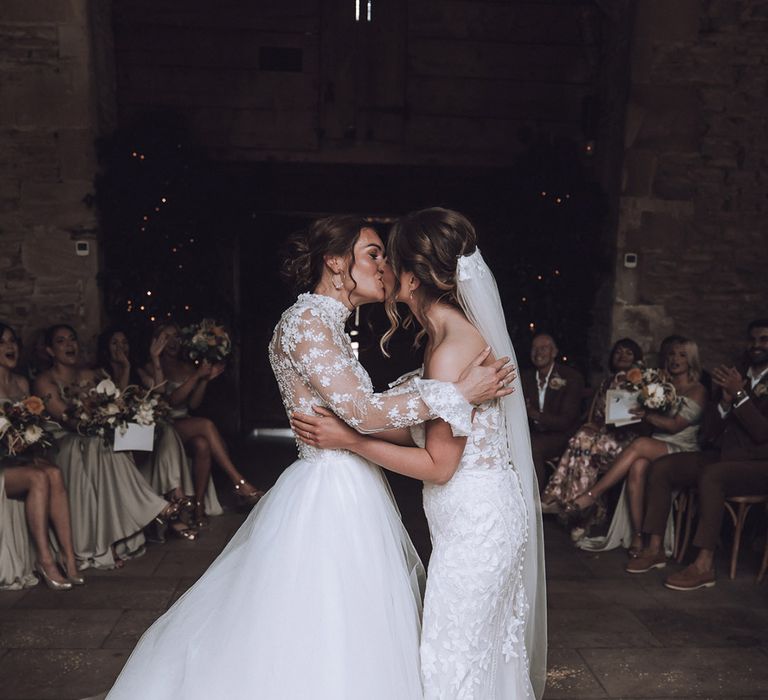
point(317, 595)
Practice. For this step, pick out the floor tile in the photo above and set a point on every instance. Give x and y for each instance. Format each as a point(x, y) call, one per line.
point(707, 626)
point(610, 627)
point(129, 628)
point(672, 672)
point(595, 593)
point(105, 593)
point(569, 677)
point(9, 598)
point(58, 629)
point(192, 563)
point(38, 674)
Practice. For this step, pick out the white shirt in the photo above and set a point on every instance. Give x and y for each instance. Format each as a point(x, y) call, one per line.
point(543, 389)
point(754, 380)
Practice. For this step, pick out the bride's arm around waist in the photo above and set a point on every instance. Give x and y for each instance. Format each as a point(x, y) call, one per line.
point(436, 463)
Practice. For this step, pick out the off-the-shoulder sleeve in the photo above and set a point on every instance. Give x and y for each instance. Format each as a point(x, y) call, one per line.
point(690, 410)
point(341, 381)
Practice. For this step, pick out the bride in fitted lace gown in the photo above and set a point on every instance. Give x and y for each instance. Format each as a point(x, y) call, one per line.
point(317, 595)
point(484, 623)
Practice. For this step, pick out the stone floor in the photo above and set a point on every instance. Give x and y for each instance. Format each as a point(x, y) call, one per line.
point(611, 635)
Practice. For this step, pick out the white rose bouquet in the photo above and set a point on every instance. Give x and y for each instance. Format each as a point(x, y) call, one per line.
point(24, 425)
point(654, 390)
point(104, 408)
point(206, 341)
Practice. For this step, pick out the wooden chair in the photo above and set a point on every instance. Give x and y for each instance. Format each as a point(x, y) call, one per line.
point(738, 507)
point(764, 565)
point(684, 506)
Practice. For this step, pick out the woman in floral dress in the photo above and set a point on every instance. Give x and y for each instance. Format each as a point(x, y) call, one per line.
point(595, 445)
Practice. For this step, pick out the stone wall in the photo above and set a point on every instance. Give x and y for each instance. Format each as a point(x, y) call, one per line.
point(49, 113)
point(424, 82)
point(695, 181)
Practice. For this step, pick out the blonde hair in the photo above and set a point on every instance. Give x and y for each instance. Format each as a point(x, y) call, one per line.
point(692, 355)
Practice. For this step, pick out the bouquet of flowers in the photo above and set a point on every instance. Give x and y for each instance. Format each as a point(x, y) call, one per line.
point(206, 341)
point(654, 390)
point(104, 408)
point(24, 424)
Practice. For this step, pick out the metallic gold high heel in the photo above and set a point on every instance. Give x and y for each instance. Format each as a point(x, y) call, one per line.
point(74, 580)
point(200, 518)
point(53, 585)
point(167, 514)
point(251, 498)
point(188, 533)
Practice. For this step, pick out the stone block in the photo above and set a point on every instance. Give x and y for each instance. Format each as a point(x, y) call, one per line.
point(43, 11)
point(639, 172)
point(74, 41)
point(58, 203)
point(664, 21)
point(673, 120)
point(29, 154)
point(76, 154)
point(47, 97)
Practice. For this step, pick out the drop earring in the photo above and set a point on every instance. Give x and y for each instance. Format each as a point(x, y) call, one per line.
point(338, 281)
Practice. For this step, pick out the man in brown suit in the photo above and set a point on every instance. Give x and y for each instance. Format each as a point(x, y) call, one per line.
point(735, 429)
point(553, 394)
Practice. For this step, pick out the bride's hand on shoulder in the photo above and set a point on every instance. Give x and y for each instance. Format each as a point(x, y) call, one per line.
point(324, 430)
point(478, 383)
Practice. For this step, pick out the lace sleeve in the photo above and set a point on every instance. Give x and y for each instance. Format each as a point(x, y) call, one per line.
point(324, 359)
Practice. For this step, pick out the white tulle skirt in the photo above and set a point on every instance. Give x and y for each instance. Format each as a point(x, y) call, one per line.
point(316, 597)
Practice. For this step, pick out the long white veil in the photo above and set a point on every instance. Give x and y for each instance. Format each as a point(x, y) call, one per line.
point(480, 301)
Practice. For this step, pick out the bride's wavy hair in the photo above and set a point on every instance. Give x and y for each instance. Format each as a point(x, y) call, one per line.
point(427, 244)
point(305, 251)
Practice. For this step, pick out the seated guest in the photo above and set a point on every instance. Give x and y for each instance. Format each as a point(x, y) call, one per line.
point(595, 445)
point(39, 500)
point(676, 432)
point(111, 499)
point(664, 347)
point(185, 386)
point(734, 463)
point(553, 395)
point(166, 468)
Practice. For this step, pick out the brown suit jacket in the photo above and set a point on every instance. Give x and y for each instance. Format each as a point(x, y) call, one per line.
point(743, 433)
point(562, 405)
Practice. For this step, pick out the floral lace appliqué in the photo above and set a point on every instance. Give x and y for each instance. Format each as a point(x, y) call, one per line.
point(314, 365)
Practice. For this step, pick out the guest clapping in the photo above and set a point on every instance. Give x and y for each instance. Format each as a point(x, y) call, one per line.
point(733, 463)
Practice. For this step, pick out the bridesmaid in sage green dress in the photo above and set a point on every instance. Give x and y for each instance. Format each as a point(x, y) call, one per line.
point(167, 467)
point(32, 500)
point(110, 500)
point(185, 387)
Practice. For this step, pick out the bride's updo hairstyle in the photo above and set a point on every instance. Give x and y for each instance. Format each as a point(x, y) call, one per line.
point(305, 251)
point(427, 244)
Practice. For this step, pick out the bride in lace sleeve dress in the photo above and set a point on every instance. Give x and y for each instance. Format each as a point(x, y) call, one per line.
point(317, 595)
point(484, 624)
